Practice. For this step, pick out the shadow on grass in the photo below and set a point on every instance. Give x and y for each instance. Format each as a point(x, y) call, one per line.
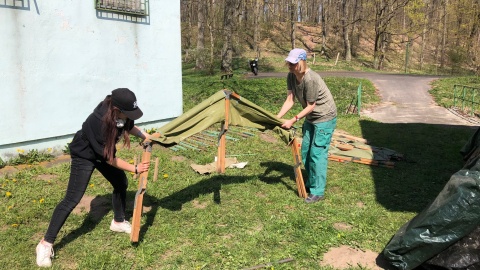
point(213, 185)
point(100, 206)
point(432, 155)
point(281, 171)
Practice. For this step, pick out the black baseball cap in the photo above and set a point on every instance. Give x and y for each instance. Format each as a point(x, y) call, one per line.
point(125, 100)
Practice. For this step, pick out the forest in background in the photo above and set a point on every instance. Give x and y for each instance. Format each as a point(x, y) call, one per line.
point(422, 35)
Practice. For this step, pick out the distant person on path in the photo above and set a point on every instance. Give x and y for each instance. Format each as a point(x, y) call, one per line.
point(93, 147)
point(320, 114)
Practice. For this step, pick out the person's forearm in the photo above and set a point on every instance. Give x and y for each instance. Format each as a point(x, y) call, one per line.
point(285, 108)
point(136, 131)
point(122, 165)
point(304, 112)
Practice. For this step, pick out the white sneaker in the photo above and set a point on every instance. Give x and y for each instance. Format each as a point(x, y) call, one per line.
point(121, 227)
point(44, 254)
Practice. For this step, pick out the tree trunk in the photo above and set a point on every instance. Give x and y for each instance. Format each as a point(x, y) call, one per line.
point(426, 22)
point(200, 56)
point(227, 50)
point(256, 30)
point(324, 28)
point(385, 12)
point(379, 31)
point(211, 27)
point(444, 35)
point(293, 13)
point(355, 30)
point(346, 40)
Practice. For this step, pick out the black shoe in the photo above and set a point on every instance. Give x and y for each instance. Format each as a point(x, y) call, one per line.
point(313, 198)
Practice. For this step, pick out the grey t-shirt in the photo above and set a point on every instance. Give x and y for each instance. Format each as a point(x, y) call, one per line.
point(313, 89)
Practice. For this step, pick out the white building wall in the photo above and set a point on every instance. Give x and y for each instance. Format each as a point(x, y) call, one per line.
point(60, 58)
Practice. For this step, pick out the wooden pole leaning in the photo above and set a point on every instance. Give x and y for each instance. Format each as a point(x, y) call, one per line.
point(142, 186)
point(297, 169)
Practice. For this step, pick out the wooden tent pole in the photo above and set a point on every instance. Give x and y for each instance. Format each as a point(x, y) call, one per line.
point(223, 140)
point(222, 144)
point(221, 152)
point(142, 186)
point(297, 169)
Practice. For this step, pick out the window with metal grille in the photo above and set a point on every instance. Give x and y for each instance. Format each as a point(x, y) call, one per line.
point(136, 7)
point(15, 4)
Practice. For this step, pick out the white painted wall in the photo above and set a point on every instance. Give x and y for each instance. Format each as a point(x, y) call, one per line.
point(60, 58)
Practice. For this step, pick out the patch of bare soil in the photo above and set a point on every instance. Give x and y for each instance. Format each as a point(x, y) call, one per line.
point(360, 204)
point(268, 138)
point(340, 226)
point(345, 257)
point(45, 177)
point(261, 195)
point(57, 161)
point(97, 207)
point(199, 205)
point(178, 158)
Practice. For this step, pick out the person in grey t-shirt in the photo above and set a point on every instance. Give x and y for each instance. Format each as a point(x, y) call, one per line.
point(320, 115)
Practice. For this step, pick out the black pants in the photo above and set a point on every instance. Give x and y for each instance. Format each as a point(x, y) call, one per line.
point(80, 172)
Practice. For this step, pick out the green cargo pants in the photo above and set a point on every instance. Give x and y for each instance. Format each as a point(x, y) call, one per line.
point(315, 144)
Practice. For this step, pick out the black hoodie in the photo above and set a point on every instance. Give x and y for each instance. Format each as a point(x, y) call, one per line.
point(88, 143)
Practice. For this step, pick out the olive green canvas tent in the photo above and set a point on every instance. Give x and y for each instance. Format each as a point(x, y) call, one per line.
point(229, 108)
point(213, 110)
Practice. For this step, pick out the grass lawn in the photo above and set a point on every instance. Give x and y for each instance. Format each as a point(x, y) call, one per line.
point(244, 217)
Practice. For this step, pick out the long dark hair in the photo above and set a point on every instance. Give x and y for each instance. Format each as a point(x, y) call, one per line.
point(109, 129)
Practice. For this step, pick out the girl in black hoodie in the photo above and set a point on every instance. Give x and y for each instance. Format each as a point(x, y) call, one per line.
point(93, 147)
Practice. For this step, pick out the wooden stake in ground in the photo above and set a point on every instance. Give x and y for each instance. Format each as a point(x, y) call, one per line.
point(142, 186)
point(155, 172)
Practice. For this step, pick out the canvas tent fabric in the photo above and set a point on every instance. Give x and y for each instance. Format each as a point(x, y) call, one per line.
point(454, 214)
point(242, 112)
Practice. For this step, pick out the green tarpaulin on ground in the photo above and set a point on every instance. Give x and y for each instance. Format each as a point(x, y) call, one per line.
point(212, 111)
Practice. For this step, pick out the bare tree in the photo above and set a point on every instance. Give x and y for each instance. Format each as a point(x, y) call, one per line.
point(385, 12)
point(426, 20)
point(256, 28)
point(345, 30)
point(200, 56)
point(323, 19)
point(444, 34)
point(293, 18)
point(228, 21)
point(211, 28)
point(436, 31)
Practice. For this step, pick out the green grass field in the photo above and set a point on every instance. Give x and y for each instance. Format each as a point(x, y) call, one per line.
point(244, 217)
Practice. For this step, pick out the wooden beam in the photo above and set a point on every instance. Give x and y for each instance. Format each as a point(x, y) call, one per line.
point(387, 164)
